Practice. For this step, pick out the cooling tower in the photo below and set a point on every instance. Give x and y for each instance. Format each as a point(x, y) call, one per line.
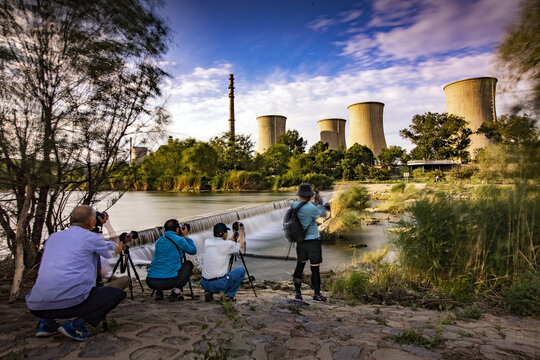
point(474, 100)
point(332, 132)
point(366, 129)
point(270, 128)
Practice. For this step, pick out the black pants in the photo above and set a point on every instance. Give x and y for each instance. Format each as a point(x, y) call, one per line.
point(178, 281)
point(97, 305)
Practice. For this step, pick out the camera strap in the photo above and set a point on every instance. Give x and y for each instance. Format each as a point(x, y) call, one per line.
point(177, 248)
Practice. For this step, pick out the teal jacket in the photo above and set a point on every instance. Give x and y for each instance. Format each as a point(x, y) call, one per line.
point(167, 260)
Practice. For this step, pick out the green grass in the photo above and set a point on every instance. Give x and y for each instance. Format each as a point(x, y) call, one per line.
point(229, 310)
point(412, 337)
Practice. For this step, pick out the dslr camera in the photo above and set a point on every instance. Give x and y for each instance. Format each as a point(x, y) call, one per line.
point(185, 226)
point(99, 226)
point(125, 238)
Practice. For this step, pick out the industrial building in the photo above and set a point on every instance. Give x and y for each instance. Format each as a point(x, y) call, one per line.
point(366, 126)
point(474, 100)
point(270, 128)
point(332, 132)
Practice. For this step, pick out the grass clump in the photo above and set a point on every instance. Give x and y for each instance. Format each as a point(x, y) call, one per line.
point(350, 285)
point(347, 210)
point(412, 337)
point(228, 310)
point(522, 297)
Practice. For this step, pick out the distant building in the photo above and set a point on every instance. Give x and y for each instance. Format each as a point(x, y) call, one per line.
point(431, 165)
point(136, 153)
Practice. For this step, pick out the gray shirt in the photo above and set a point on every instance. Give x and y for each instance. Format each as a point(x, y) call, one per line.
point(68, 268)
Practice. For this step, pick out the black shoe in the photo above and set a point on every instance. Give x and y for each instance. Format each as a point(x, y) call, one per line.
point(159, 295)
point(208, 296)
point(175, 297)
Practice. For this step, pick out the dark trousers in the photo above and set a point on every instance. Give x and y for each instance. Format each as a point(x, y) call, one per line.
point(97, 305)
point(178, 281)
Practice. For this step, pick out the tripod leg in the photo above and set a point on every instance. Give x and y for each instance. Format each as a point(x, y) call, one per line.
point(247, 272)
point(191, 290)
point(231, 260)
point(288, 252)
point(135, 271)
point(130, 282)
point(115, 267)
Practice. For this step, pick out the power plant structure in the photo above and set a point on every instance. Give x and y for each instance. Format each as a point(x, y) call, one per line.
point(231, 105)
point(270, 128)
point(366, 119)
point(332, 132)
point(136, 153)
point(474, 100)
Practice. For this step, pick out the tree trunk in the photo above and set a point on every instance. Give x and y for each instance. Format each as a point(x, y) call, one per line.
point(20, 235)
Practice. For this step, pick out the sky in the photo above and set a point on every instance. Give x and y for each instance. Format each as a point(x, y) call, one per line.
point(310, 59)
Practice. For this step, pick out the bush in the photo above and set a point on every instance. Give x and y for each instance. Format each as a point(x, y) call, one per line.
point(240, 180)
point(522, 297)
point(355, 198)
point(288, 180)
point(379, 174)
point(463, 173)
point(351, 285)
point(398, 188)
point(318, 181)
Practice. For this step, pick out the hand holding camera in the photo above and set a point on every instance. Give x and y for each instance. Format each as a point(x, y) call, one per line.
point(185, 229)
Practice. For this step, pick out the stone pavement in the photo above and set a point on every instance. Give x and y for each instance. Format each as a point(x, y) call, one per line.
point(272, 327)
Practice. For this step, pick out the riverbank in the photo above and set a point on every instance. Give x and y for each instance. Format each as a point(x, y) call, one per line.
point(271, 326)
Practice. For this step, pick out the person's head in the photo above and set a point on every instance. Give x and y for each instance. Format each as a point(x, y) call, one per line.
point(220, 230)
point(305, 192)
point(172, 225)
point(83, 216)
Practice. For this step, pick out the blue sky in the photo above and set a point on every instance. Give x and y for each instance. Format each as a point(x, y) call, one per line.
point(309, 59)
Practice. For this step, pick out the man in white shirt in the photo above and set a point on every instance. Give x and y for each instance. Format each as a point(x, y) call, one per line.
point(217, 254)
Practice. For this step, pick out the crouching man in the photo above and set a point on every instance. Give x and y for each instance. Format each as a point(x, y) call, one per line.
point(217, 254)
point(65, 286)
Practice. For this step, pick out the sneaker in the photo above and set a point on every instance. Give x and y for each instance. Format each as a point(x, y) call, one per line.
point(175, 297)
point(208, 296)
point(159, 295)
point(227, 298)
point(45, 330)
point(298, 298)
point(74, 333)
point(320, 298)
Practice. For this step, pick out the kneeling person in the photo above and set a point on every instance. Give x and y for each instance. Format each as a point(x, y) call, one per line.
point(167, 270)
point(217, 253)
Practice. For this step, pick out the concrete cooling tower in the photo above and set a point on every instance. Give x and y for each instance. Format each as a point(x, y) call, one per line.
point(332, 132)
point(270, 128)
point(474, 100)
point(366, 128)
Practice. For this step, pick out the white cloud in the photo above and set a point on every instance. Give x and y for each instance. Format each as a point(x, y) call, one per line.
point(406, 90)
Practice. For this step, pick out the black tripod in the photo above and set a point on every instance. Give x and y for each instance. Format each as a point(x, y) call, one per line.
point(124, 260)
point(189, 280)
point(233, 259)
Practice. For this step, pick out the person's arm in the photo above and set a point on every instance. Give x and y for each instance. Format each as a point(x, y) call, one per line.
point(186, 243)
point(112, 234)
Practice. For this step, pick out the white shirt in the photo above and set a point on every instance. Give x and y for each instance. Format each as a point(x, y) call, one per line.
point(216, 257)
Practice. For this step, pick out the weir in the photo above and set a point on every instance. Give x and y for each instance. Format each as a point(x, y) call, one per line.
point(206, 222)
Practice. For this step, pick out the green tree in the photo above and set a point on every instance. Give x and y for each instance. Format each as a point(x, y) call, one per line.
point(438, 136)
point(302, 164)
point(292, 139)
point(519, 52)
point(76, 80)
point(355, 161)
point(511, 130)
point(276, 159)
point(328, 163)
point(234, 153)
point(318, 148)
point(393, 155)
point(201, 159)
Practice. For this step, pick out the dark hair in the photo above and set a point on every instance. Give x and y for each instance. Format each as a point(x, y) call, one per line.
point(171, 225)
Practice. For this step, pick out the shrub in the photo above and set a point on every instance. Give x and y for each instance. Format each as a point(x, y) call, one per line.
point(522, 297)
point(379, 173)
point(289, 179)
point(351, 285)
point(318, 181)
point(398, 188)
point(463, 173)
point(355, 198)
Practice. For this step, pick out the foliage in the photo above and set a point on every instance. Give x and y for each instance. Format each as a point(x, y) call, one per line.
point(227, 307)
point(393, 155)
point(410, 336)
point(398, 188)
point(328, 161)
point(352, 285)
point(237, 180)
point(487, 237)
point(200, 159)
point(318, 148)
point(511, 131)
point(296, 144)
point(521, 296)
point(355, 162)
point(302, 164)
point(463, 173)
point(355, 198)
point(438, 136)
point(275, 160)
point(77, 79)
point(319, 181)
point(519, 52)
point(234, 153)
point(379, 173)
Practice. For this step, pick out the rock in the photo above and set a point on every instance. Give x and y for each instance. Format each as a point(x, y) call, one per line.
point(346, 352)
point(153, 353)
point(387, 354)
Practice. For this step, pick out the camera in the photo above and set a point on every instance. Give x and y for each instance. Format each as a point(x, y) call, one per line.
point(236, 225)
point(185, 226)
point(127, 237)
point(99, 225)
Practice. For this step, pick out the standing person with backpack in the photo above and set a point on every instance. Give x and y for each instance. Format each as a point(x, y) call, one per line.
point(310, 246)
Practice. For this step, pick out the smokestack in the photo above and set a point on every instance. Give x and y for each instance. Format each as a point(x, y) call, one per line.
point(270, 128)
point(332, 132)
point(231, 105)
point(474, 100)
point(366, 120)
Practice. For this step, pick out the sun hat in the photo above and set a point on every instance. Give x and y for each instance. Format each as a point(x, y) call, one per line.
point(304, 190)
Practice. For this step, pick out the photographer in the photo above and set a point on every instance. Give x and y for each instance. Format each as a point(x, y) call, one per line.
point(166, 270)
point(217, 253)
point(65, 286)
point(309, 249)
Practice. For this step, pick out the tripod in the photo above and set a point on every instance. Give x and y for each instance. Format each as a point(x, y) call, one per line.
point(124, 260)
point(189, 280)
point(232, 259)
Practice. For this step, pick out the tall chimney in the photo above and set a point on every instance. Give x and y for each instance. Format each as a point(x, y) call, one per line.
point(231, 105)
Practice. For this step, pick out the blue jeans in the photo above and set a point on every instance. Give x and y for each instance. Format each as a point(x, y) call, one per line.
point(229, 286)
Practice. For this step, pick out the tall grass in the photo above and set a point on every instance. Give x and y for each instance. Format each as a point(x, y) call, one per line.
point(494, 235)
point(347, 210)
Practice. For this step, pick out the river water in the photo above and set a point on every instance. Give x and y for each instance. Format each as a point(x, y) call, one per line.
point(264, 235)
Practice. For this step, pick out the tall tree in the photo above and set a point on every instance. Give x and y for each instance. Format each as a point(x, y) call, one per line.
point(438, 136)
point(519, 52)
point(234, 152)
point(296, 144)
point(393, 155)
point(76, 78)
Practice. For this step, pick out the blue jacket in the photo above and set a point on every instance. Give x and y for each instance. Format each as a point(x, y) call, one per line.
point(167, 260)
point(307, 215)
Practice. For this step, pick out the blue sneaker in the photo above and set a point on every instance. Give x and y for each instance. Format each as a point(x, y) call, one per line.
point(74, 333)
point(46, 329)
